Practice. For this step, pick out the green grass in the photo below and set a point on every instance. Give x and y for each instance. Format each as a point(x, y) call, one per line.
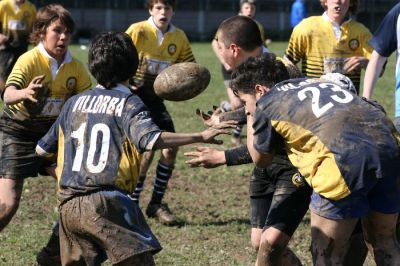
point(212, 204)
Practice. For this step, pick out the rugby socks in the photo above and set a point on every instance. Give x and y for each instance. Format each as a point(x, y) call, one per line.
point(138, 189)
point(163, 174)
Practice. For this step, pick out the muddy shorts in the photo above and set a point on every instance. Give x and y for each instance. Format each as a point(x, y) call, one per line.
point(382, 195)
point(17, 153)
point(101, 225)
point(283, 204)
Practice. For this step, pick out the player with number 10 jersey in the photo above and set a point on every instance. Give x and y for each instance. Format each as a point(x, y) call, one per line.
point(94, 123)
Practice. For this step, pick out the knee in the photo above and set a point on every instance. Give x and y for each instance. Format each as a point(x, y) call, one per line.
point(7, 210)
point(170, 154)
point(271, 250)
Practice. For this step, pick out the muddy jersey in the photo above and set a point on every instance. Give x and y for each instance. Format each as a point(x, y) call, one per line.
point(386, 40)
point(100, 135)
point(314, 43)
point(337, 140)
point(17, 22)
point(156, 55)
point(58, 85)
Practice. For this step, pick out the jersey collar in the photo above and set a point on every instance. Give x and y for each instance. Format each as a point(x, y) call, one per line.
point(120, 87)
point(160, 34)
point(53, 62)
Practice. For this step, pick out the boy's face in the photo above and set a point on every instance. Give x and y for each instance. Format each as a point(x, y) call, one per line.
point(162, 15)
point(337, 9)
point(249, 101)
point(229, 55)
point(248, 10)
point(56, 40)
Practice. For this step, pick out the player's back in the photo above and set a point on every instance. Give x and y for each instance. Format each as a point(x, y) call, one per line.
point(329, 131)
point(101, 136)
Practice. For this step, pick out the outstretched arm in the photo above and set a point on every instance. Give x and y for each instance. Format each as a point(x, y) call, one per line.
point(169, 139)
point(14, 95)
point(373, 71)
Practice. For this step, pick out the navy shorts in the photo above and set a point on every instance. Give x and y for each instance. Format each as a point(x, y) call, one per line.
point(382, 195)
point(101, 225)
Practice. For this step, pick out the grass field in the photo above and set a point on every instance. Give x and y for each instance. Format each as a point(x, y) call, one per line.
point(212, 205)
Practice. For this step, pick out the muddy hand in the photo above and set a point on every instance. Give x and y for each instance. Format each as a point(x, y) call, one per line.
point(206, 157)
point(30, 92)
point(211, 118)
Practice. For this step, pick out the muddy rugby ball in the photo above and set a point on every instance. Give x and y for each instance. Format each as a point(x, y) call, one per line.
point(182, 81)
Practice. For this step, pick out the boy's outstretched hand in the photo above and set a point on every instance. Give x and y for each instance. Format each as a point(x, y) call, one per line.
point(211, 118)
point(210, 133)
point(206, 157)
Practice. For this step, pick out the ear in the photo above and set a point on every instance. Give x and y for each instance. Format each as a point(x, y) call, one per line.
point(235, 49)
point(261, 89)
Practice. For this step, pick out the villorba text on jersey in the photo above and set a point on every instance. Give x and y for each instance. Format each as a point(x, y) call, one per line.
point(99, 105)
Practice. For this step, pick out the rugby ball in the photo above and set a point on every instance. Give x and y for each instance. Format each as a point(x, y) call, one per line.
point(182, 81)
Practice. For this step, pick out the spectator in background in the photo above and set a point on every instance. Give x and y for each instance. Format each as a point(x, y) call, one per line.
point(16, 20)
point(297, 13)
point(331, 43)
point(385, 42)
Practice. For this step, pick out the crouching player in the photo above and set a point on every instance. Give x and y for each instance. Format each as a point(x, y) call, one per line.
point(100, 135)
point(346, 148)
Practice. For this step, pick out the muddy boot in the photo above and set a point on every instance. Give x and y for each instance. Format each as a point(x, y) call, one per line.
point(162, 213)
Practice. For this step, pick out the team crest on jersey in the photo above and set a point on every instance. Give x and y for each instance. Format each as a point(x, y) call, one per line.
point(71, 83)
point(26, 14)
point(172, 49)
point(354, 44)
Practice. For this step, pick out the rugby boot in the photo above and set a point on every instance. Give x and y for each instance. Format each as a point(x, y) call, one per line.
point(162, 213)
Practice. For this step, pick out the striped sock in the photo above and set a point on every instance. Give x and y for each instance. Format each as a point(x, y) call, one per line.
point(138, 189)
point(163, 174)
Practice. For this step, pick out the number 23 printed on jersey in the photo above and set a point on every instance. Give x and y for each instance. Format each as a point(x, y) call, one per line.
point(337, 95)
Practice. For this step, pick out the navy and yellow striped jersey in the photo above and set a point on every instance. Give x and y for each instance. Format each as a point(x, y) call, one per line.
point(313, 42)
point(337, 140)
point(100, 135)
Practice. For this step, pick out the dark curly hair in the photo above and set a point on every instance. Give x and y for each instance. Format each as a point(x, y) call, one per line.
point(265, 70)
point(113, 58)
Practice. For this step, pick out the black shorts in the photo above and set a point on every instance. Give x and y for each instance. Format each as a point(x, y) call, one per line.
point(18, 159)
point(275, 200)
point(8, 57)
point(283, 210)
point(158, 110)
point(101, 225)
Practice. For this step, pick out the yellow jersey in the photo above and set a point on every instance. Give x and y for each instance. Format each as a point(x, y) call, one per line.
point(313, 41)
point(17, 22)
point(156, 55)
point(58, 85)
